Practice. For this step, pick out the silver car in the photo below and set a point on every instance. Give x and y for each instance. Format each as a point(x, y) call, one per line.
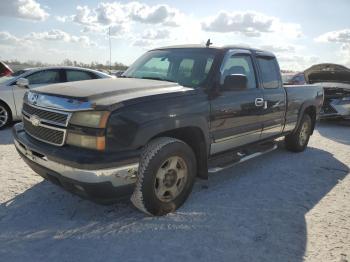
point(13, 88)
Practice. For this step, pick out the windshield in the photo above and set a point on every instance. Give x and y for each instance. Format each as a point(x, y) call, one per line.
point(188, 67)
point(19, 72)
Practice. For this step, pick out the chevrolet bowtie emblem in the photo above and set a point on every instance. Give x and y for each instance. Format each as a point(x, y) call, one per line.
point(35, 120)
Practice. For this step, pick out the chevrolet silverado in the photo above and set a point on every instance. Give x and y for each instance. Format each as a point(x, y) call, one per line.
point(177, 113)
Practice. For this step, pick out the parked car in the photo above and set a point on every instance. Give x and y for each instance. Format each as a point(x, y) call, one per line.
point(294, 79)
point(178, 113)
point(13, 87)
point(5, 70)
point(335, 79)
point(119, 73)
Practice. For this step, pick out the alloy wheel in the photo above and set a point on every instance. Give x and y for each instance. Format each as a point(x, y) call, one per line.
point(171, 178)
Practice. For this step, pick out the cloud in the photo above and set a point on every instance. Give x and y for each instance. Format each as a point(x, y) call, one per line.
point(158, 14)
point(25, 9)
point(59, 35)
point(156, 34)
point(142, 43)
point(115, 13)
point(250, 23)
point(296, 62)
point(339, 36)
point(8, 39)
point(279, 48)
point(110, 13)
point(62, 19)
point(84, 16)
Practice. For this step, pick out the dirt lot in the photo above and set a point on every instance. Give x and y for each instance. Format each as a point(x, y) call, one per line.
point(279, 207)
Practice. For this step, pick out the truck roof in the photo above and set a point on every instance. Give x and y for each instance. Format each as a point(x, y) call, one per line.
point(226, 47)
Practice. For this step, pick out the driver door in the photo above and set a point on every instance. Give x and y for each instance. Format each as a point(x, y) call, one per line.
point(35, 79)
point(236, 114)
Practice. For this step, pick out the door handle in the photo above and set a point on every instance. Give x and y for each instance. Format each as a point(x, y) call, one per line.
point(259, 102)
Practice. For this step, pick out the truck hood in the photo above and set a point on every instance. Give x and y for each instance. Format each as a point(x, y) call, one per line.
point(324, 73)
point(110, 91)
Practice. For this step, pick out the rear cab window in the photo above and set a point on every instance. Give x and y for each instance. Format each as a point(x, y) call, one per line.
point(270, 73)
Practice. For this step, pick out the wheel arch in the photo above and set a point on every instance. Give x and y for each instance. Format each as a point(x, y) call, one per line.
point(195, 138)
point(310, 109)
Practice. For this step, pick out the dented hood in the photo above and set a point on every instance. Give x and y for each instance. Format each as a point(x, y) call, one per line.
point(112, 90)
point(324, 73)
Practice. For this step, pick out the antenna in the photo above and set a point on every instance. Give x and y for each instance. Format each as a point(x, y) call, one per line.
point(208, 44)
point(110, 50)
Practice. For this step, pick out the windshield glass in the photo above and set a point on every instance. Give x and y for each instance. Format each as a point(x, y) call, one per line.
point(19, 72)
point(188, 67)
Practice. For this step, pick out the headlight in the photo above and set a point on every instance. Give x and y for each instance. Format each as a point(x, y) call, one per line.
point(91, 142)
point(95, 119)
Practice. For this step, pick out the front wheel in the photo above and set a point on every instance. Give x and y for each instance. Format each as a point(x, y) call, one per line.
point(297, 141)
point(5, 116)
point(165, 177)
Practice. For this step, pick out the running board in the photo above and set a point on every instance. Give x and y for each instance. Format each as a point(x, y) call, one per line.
point(242, 159)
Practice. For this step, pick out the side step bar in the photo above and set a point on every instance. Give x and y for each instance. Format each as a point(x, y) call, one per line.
point(239, 157)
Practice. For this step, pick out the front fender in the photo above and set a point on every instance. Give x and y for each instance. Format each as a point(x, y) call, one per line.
point(155, 127)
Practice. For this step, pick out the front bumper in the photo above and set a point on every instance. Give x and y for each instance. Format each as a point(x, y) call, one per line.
point(335, 108)
point(100, 184)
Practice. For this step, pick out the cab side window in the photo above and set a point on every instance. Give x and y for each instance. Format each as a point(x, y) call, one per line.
point(270, 74)
point(44, 77)
point(239, 64)
point(76, 75)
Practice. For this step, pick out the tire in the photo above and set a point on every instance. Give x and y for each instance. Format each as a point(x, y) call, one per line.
point(5, 115)
point(165, 163)
point(297, 141)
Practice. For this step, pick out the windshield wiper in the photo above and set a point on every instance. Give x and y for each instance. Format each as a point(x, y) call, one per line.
point(157, 78)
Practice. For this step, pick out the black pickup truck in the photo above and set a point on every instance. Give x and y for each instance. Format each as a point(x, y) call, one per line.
point(176, 114)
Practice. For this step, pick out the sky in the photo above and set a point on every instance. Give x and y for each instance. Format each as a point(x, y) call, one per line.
point(300, 32)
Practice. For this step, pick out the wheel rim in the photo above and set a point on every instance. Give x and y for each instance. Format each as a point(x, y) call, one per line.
point(3, 116)
point(171, 179)
point(304, 133)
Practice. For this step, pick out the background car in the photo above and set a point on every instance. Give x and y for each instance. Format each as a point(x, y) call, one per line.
point(335, 80)
point(13, 87)
point(294, 79)
point(5, 70)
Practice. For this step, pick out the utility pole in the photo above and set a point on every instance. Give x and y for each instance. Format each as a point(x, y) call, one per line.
point(110, 50)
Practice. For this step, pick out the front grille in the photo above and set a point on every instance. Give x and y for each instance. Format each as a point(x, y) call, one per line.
point(328, 108)
point(48, 116)
point(44, 133)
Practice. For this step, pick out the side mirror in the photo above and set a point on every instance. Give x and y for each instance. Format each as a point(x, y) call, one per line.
point(22, 82)
point(235, 82)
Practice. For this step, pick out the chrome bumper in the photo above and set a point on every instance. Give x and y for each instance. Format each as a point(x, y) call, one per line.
point(120, 176)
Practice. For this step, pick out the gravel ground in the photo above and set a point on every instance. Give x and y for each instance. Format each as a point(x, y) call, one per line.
point(278, 207)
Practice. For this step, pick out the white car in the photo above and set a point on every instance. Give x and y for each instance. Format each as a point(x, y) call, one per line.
point(13, 88)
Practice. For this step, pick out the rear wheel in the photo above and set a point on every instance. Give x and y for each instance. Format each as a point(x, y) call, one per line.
point(165, 177)
point(297, 142)
point(5, 115)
